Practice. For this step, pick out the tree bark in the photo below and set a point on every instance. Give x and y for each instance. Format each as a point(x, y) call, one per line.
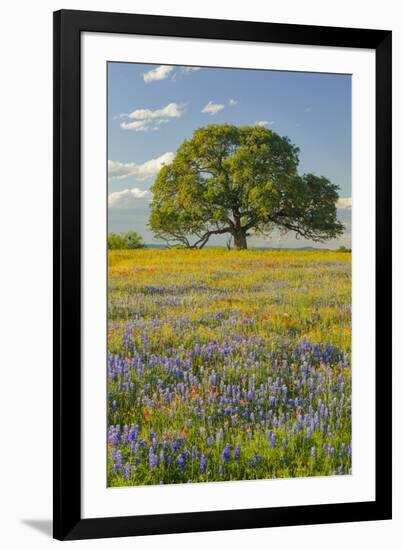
point(240, 239)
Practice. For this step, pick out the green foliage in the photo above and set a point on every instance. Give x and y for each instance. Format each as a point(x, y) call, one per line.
point(343, 249)
point(237, 180)
point(127, 241)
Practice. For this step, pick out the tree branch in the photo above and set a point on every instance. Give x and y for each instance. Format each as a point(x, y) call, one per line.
point(205, 238)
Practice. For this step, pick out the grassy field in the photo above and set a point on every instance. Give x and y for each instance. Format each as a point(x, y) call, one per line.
point(228, 365)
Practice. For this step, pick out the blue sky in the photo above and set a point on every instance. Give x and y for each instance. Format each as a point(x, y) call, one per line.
point(153, 108)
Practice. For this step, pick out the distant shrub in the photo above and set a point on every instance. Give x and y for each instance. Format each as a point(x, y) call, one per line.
point(343, 249)
point(126, 241)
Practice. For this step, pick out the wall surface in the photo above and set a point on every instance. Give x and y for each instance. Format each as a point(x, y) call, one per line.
point(26, 270)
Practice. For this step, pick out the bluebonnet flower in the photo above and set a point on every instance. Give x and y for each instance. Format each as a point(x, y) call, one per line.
point(126, 470)
point(153, 460)
point(181, 462)
point(186, 453)
point(113, 436)
point(313, 453)
point(117, 457)
point(224, 373)
point(133, 433)
point(203, 464)
point(226, 452)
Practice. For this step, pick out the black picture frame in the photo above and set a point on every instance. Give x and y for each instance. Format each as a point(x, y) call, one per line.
point(68, 26)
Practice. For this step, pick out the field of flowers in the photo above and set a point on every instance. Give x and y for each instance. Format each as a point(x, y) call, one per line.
point(228, 365)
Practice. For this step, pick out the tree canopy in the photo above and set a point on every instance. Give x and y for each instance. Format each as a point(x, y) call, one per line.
point(240, 181)
point(129, 241)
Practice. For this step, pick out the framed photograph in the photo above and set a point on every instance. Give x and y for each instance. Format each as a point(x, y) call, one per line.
point(222, 274)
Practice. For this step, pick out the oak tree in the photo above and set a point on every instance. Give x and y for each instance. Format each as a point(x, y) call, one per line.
point(240, 181)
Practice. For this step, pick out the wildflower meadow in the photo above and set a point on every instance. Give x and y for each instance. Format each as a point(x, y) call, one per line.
point(228, 365)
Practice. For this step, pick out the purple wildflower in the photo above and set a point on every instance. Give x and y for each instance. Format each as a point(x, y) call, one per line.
point(226, 453)
point(203, 464)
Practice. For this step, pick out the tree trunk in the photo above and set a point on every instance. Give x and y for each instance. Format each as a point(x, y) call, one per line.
point(240, 239)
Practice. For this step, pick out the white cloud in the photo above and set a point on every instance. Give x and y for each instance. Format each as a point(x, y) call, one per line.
point(136, 125)
point(213, 108)
point(172, 110)
point(166, 71)
point(264, 123)
point(127, 199)
point(232, 102)
point(344, 203)
point(160, 73)
point(146, 119)
point(150, 168)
